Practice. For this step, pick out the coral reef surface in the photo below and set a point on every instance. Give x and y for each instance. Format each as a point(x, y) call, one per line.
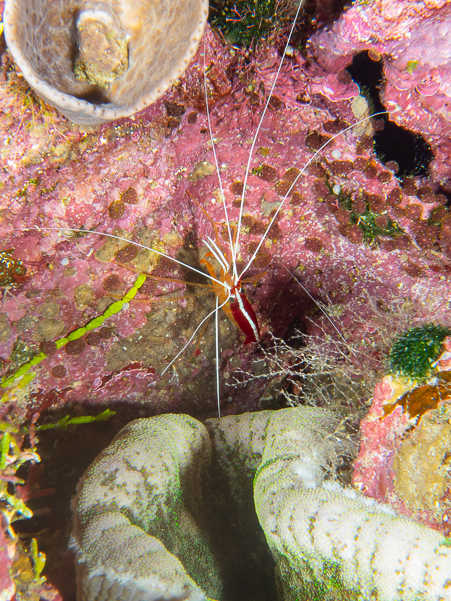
point(89, 321)
point(348, 227)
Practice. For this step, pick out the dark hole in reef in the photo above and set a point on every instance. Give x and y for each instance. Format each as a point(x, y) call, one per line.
point(393, 143)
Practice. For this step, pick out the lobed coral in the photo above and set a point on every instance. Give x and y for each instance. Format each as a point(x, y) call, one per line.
point(167, 539)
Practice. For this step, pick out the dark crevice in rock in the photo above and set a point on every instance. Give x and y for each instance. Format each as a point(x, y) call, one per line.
point(393, 143)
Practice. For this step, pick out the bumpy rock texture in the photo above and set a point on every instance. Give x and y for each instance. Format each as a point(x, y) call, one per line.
point(151, 502)
point(133, 178)
point(126, 54)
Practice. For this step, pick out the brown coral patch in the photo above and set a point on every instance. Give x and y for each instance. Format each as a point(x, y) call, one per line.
point(267, 173)
point(93, 338)
point(384, 177)
point(381, 221)
point(317, 170)
point(296, 199)
point(394, 197)
point(413, 212)
point(445, 232)
point(341, 167)
point(335, 126)
point(398, 211)
point(112, 282)
point(130, 196)
point(427, 239)
point(370, 172)
point(414, 270)
point(126, 254)
point(409, 186)
point(439, 214)
point(116, 209)
point(59, 371)
point(354, 234)
point(424, 191)
point(360, 164)
point(75, 347)
point(48, 347)
point(402, 242)
point(321, 188)
point(393, 166)
point(262, 260)
point(342, 216)
point(291, 174)
point(313, 244)
point(376, 203)
point(366, 143)
point(359, 205)
point(315, 141)
point(237, 188)
point(282, 187)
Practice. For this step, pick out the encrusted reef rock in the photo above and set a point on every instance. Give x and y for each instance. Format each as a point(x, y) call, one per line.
point(127, 54)
point(167, 512)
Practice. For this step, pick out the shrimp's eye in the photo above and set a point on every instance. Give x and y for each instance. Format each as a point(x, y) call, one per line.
point(242, 290)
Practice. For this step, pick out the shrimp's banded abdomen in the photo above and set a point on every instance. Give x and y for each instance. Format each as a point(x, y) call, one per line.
point(244, 317)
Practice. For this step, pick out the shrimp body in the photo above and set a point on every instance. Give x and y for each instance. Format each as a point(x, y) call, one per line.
point(234, 301)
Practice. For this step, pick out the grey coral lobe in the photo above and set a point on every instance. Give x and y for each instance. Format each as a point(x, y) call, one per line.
point(155, 42)
point(174, 510)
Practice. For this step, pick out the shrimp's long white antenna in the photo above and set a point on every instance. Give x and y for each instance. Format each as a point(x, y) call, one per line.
point(216, 252)
point(221, 188)
point(193, 336)
point(312, 158)
point(254, 142)
point(157, 252)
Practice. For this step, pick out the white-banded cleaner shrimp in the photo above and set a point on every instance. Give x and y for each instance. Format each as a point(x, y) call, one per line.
point(137, 163)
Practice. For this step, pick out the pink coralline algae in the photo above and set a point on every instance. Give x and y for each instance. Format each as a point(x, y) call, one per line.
point(7, 547)
point(347, 228)
point(412, 40)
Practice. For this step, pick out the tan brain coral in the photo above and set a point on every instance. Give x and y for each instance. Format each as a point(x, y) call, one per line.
point(245, 508)
point(99, 61)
